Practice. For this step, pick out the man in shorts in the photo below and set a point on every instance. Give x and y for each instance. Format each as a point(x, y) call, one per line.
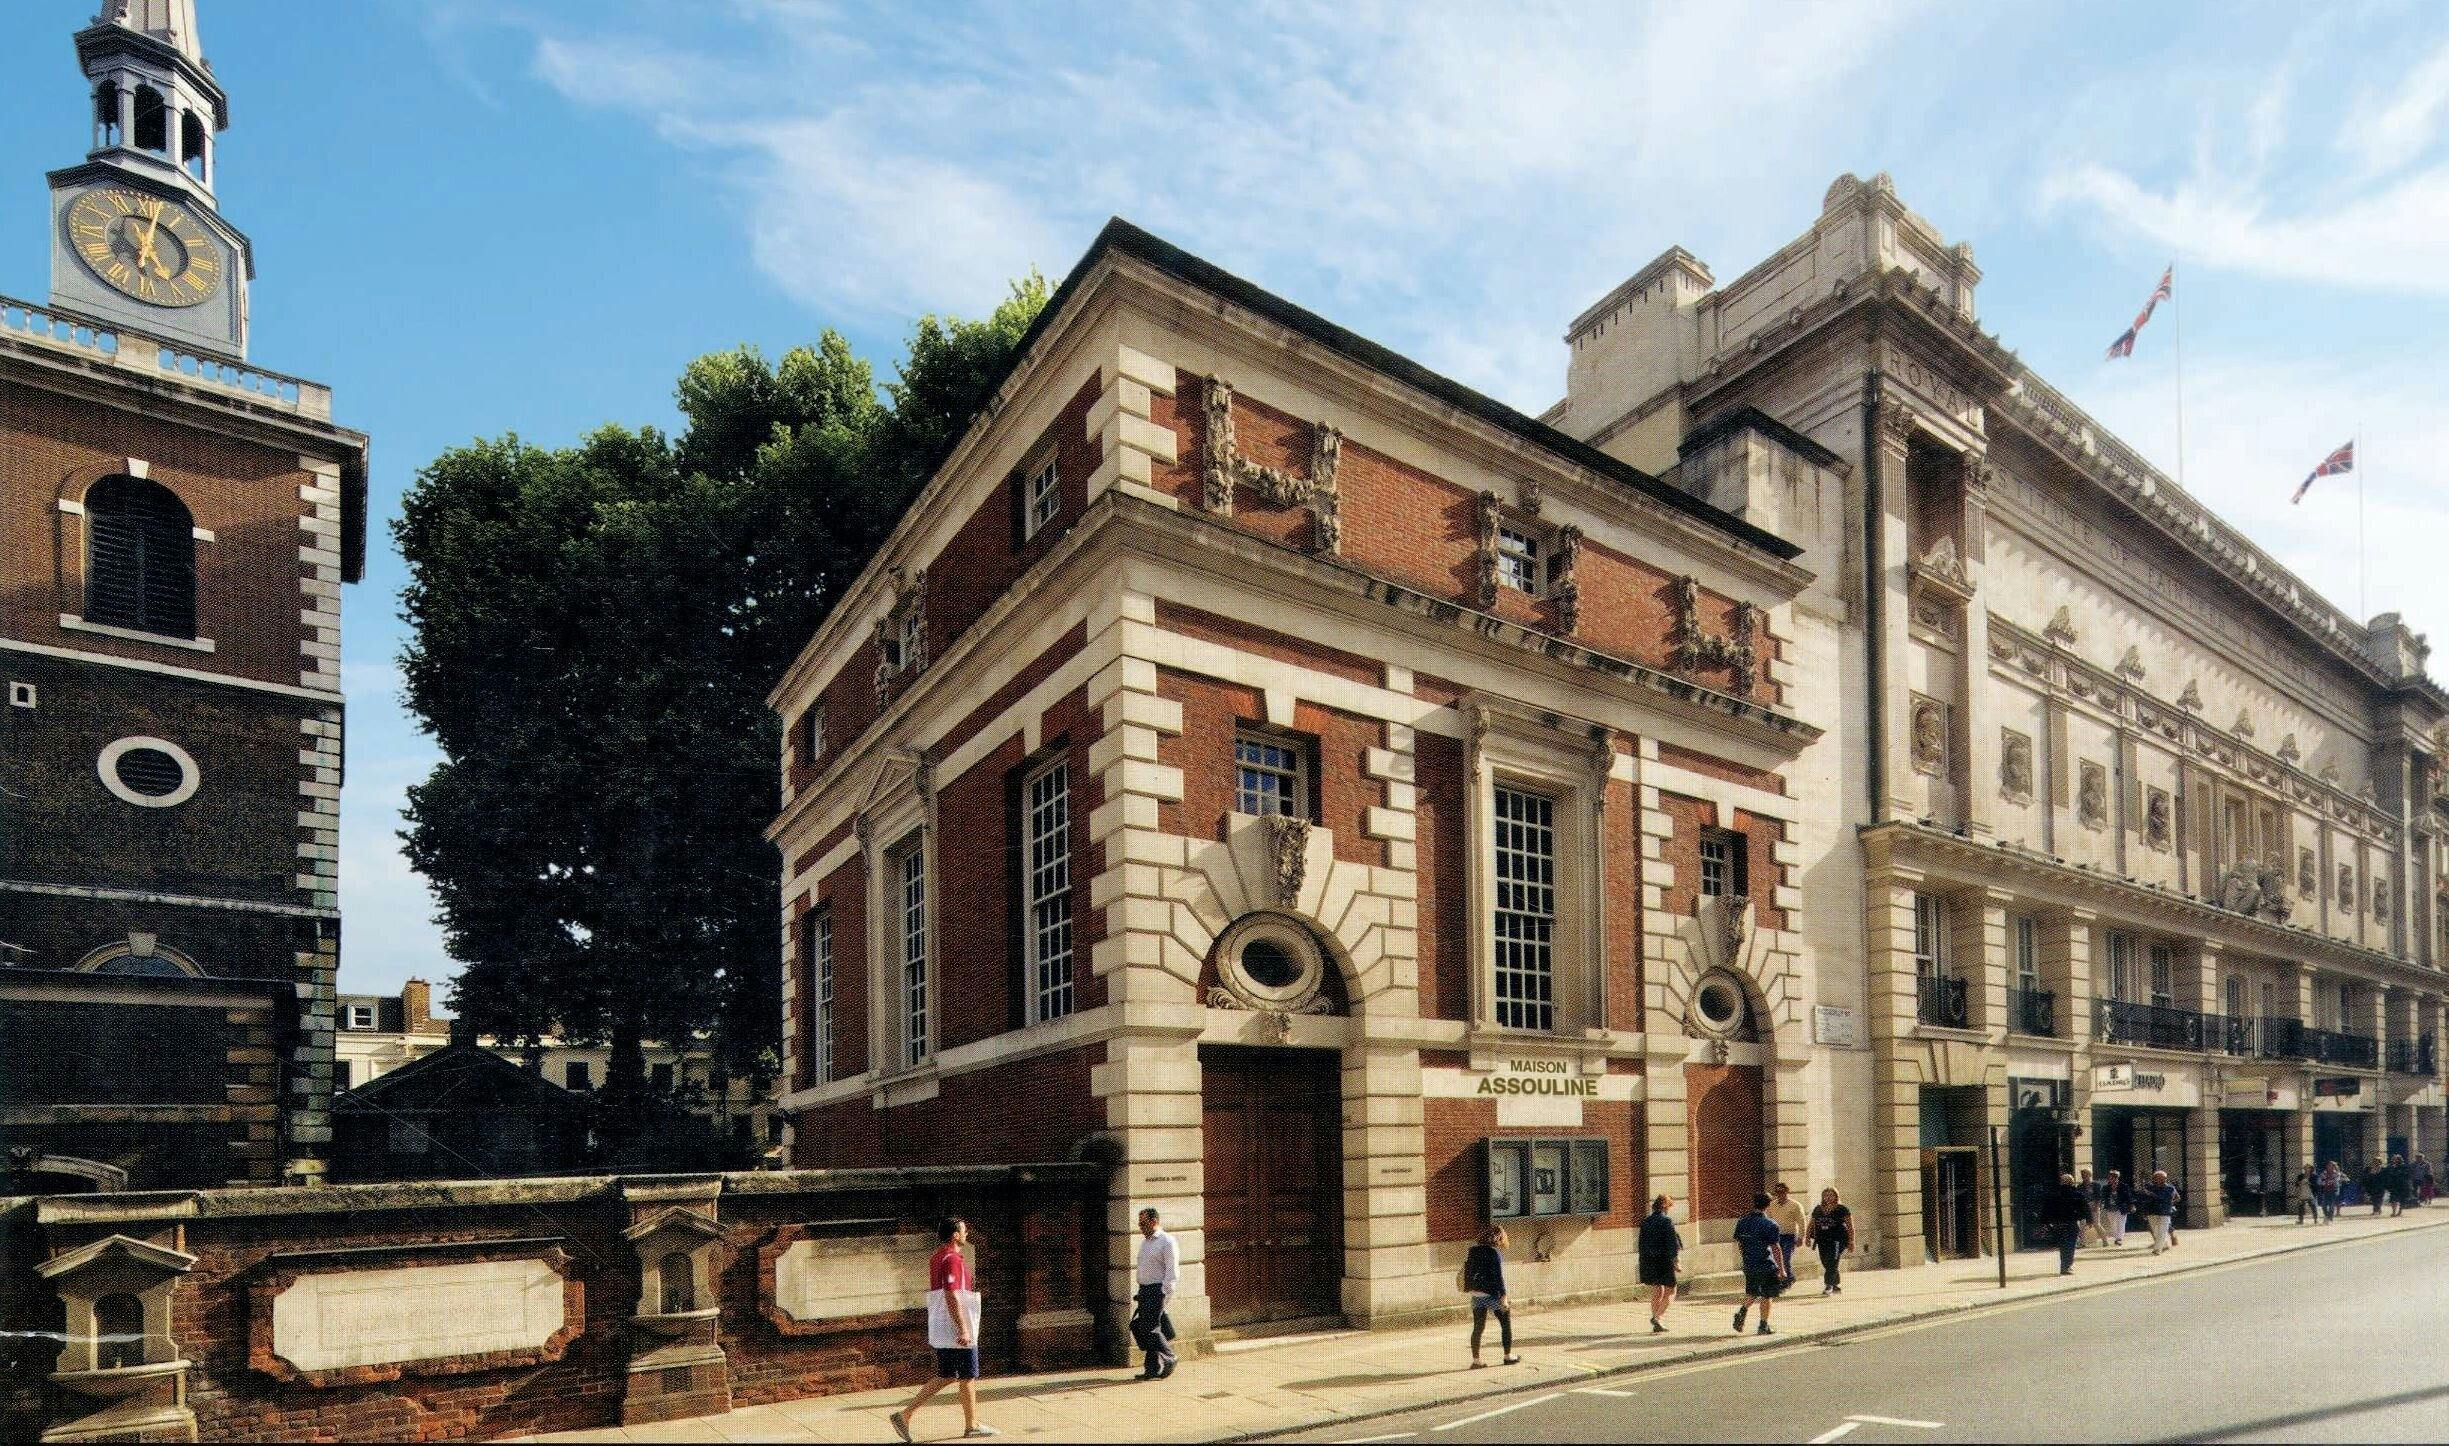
point(1764, 1279)
point(948, 1276)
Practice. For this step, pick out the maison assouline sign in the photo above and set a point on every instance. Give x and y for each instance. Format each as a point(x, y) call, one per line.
point(1529, 1090)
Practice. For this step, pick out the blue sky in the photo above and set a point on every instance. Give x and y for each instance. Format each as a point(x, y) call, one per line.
point(477, 216)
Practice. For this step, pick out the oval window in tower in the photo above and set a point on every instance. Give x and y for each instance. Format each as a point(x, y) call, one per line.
point(148, 772)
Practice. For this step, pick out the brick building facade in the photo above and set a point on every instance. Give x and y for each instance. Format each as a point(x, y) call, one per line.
point(175, 528)
point(1353, 805)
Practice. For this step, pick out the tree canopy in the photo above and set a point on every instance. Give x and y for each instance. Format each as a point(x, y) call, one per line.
point(593, 632)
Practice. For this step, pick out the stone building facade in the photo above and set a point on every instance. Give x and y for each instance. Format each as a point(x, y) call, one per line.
point(1810, 746)
point(178, 526)
point(2120, 840)
point(1348, 804)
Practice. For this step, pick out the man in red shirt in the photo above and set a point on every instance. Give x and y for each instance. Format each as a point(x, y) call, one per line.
point(952, 1329)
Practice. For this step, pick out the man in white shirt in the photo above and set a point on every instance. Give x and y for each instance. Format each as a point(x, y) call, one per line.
point(1160, 1270)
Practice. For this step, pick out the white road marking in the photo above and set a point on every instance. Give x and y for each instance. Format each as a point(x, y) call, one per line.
point(1499, 1411)
point(1892, 1421)
point(1600, 1391)
point(1839, 1433)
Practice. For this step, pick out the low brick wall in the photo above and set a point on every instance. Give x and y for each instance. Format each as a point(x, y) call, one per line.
point(469, 1310)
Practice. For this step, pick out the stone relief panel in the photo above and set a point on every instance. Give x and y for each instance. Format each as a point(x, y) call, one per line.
point(1931, 728)
point(2092, 794)
point(2015, 772)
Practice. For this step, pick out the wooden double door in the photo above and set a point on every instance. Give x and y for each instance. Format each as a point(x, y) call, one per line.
point(1273, 1126)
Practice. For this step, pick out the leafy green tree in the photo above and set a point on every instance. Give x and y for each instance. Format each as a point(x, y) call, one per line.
point(593, 631)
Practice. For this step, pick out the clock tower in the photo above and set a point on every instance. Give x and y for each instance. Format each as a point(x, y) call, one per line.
point(136, 236)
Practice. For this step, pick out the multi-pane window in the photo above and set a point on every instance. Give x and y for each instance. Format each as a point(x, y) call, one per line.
point(1045, 495)
point(820, 980)
point(1722, 864)
point(1518, 560)
point(2163, 976)
point(2121, 967)
point(1525, 914)
point(1047, 802)
point(1272, 776)
point(913, 954)
point(1929, 936)
point(2027, 953)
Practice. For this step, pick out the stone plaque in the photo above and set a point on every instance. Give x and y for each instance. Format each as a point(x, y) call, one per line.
point(417, 1313)
point(827, 1279)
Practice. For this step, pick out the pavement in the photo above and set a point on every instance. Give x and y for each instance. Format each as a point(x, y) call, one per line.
point(1341, 1385)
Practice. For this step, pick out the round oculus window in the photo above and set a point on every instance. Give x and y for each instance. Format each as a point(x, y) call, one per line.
point(148, 772)
point(1719, 1002)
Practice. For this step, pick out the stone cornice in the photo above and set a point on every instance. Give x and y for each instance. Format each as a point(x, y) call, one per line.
point(1918, 846)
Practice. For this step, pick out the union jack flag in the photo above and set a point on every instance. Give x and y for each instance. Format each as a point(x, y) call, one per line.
point(2342, 460)
point(2124, 345)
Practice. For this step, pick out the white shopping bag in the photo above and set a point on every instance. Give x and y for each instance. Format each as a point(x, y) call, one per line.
point(940, 1331)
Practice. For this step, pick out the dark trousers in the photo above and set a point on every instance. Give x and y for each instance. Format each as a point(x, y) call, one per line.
point(1831, 1251)
point(1151, 1327)
point(1479, 1323)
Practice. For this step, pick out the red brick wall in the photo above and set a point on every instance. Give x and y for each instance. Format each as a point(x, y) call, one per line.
point(247, 596)
point(1037, 1108)
point(1423, 531)
point(1445, 952)
point(1203, 750)
point(1451, 1131)
point(1724, 1104)
point(1028, 1241)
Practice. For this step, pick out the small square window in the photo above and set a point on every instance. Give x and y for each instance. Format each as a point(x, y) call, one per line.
point(1521, 563)
point(1045, 494)
point(1271, 776)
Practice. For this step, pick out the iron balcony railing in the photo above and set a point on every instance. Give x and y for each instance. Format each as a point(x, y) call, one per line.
point(2153, 1026)
point(2329, 1046)
point(1942, 1001)
point(2413, 1056)
point(2035, 1011)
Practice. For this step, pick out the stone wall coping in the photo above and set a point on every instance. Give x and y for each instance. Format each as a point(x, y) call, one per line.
point(543, 1190)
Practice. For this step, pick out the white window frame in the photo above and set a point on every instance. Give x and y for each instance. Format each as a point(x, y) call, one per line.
point(1043, 495)
point(1296, 774)
point(1523, 555)
point(1515, 747)
point(913, 956)
point(1046, 917)
point(1929, 935)
point(1523, 916)
point(820, 983)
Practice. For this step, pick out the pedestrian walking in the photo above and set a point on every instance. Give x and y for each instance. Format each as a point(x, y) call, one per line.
point(1763, 1281)
point(1661, 1246)
point(1831, 1232)
point(952, 1329)
point(1158, 1272)
point(2116, 1203)
point(2090, 1187)
point(2331, 1183)
point(1483, 1276)
point(1787, 1213)
point(2063, 1210)
point(2158, 1202)
point(2420, 1172)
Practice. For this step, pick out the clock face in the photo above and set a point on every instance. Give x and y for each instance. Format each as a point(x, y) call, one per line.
point(152, 249)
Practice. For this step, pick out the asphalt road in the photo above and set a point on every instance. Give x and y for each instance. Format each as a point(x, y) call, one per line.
point(2349, 1343)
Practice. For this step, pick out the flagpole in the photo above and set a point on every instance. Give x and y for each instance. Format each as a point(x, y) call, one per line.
point(2176, 296)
